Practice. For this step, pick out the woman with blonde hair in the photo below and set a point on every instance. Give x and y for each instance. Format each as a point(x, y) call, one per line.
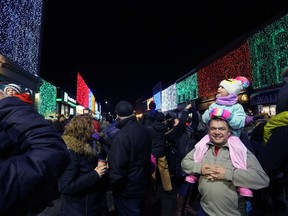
point(83, 185)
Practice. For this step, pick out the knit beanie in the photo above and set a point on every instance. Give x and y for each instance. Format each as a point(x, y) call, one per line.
point(234, 86)
point(13, 86)
point(124, 108)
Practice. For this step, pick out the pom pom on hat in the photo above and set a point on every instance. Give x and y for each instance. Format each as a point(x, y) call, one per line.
point(245, 82)
point(124, 108)
point(234, 86)
point(13, 86)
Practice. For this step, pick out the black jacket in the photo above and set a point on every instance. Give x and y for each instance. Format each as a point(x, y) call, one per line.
point(82, 188)
point(32, 158)
point(157, 133)
point(274, 155)
point(130, 160)
point(184, 139)
point(148, 117)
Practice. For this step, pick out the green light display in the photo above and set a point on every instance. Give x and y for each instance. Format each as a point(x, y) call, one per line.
point(269, 53)
point(187, 89)
point(47, 99)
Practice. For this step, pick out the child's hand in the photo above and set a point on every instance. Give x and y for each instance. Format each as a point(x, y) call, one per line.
point(221, 113)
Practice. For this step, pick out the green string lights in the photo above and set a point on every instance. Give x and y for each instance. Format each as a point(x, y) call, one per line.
point(47, 99)
point(187, 89)
point(269, 53)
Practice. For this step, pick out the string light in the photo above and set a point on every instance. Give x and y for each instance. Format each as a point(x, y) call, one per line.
point(157, 99)
point(47, 100)
point(169, 98)
point(20, 26)
point(235, 63)
point(82, 94)
point(269, 53)
point(187, 89)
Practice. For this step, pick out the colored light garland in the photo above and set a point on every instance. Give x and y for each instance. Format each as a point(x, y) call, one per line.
point(82, 94)
point(235, 63)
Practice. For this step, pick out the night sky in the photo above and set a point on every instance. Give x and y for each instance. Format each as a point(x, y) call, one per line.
point(123, 48)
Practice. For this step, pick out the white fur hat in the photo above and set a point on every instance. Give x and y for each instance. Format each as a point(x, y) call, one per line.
point(17, 88)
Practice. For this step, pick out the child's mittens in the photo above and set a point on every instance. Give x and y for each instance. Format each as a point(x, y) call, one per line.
point(220, 113)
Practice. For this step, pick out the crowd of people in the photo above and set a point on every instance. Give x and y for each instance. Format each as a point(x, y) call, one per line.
point(87, 166)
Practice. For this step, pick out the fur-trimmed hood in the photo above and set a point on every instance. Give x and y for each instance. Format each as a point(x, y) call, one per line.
point(78, 147)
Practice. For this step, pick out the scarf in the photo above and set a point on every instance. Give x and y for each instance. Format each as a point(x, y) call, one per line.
point(227, 100)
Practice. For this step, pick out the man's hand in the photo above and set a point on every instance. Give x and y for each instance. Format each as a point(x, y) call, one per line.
point(213, 172)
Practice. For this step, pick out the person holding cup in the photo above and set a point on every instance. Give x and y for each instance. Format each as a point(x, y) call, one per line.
point(83, 185)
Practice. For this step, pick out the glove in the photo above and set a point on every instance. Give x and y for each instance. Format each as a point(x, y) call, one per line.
point(96, 136)
point(259, 116)
point(221, 113)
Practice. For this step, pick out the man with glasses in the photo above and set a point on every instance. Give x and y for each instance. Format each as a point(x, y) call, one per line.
point(219, 178)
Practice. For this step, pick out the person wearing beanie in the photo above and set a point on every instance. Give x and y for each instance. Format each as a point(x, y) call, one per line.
point(11, 89)
point(227, 108)
point(129, 161)
point(157, 131)
point(183, 138)
point(227, 98)
point(33, 157)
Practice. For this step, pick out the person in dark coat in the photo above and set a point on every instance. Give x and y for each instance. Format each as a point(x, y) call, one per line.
point(32, 159)
point(83, 185)
point(183, 134)
point(129, 162)
point(149, 116)
point(157, 131)
point(282, 102)
point(274, 160)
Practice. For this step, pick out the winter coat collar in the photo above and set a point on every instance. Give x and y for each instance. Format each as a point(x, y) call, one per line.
point(123, 122)
point(78, 147)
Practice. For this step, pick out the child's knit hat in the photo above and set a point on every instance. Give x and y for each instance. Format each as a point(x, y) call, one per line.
point(17, 88)
point(234, 86)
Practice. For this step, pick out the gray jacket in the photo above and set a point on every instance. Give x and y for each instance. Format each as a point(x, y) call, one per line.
point(220, 197)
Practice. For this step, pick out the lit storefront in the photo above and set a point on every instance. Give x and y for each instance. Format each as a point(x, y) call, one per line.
point(264, 101)
point(65, 104)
